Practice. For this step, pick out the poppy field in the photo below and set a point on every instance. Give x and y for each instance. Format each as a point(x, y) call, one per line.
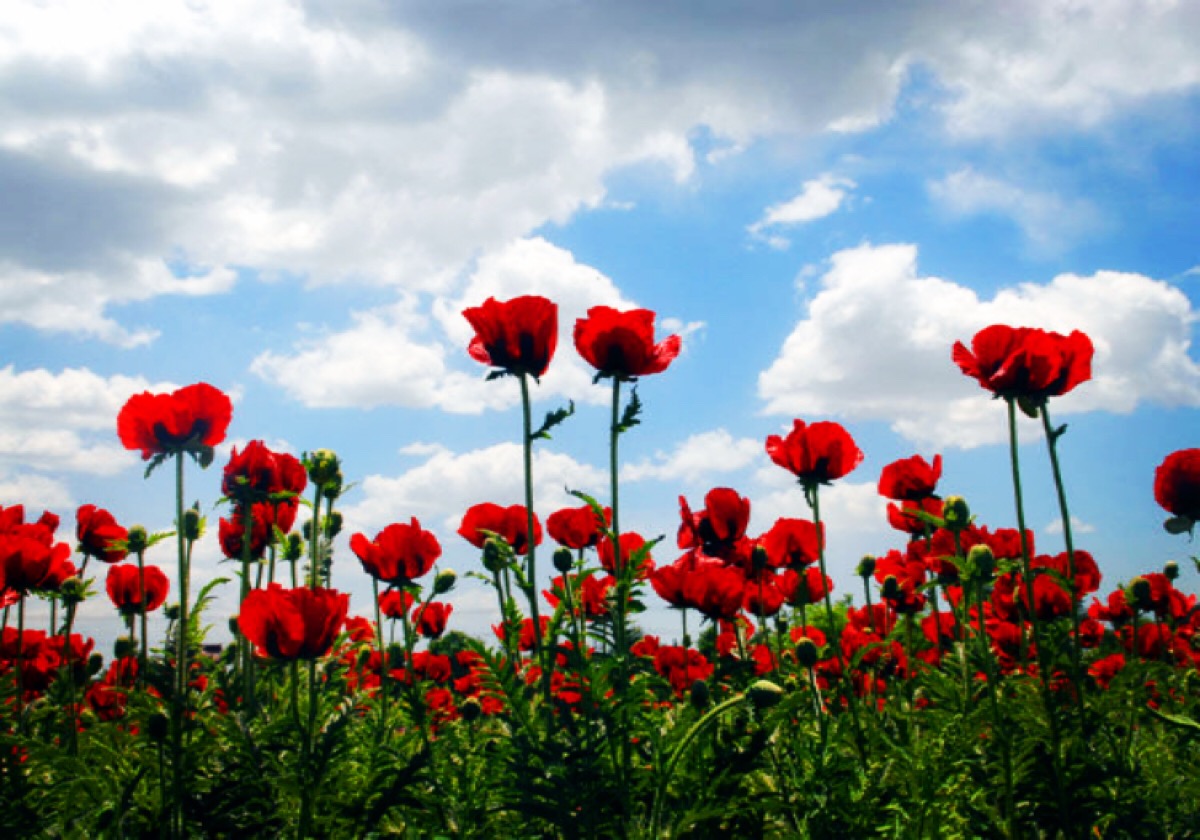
point(977, 685)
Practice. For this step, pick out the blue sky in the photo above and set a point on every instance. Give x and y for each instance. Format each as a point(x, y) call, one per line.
point(295, 201)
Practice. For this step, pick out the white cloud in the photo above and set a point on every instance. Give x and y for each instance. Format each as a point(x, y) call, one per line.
point(439, 490)
point(697, 457)
point(820, 197)
point(1078, 526)
point(35, 492)
point(875, 344)
point(1049, 221)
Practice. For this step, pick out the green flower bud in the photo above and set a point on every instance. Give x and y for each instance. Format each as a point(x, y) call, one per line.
point(699, 696)
point(764, 694)
point(204, 456)
point(981, 561)
point(193, 524)
point(306, 530)
point(323, 467)
point(470, 709)
point(158, 727)
point(1139, 594)
point(395, 655)
point(171, 611)
point(364, 657)
point(807, 653)
point(758, 558)
point(956, 513)
point(333, 524)
point(95, 664)
point(1171, 570)
point(72, 591)
point(493, 556)
point(866, 566)
point(293, 547)
point(564, 560)
point(234, 628)
point(332, 488)
point(444, 581)
point(138, 539)
point(891, 587)
point(125, 647)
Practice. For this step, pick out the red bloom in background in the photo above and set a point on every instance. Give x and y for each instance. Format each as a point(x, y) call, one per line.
point(431, 619)
point(816, 453)
point(900, 516)
point(182, 421)
point(395, 603)
point(621, 344)
point(399, 553)
point(1105, 670)
point(256, 473)
point(1177, 483)
point(910, 479)
point(576, 527)
point(518, 336)
point(590, 594)
point(630, 543)
point(804, 586)
point(290, 624)
point(30, 559)
point(1026, 362)
point(719, 525)
point(97, 531)
point(125, 589)
point(792, 543)
point(262, 529)
point(511, 524)
point(681, 667)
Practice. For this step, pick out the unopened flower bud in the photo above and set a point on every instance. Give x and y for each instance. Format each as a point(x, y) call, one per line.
point(72, 591)
point(807, 653)
point(193, 524)
point(293, 547)
point(956, 513)
point(470, 709)
point(323, 467)
point(395, 655)
point(493, 556)
point(765, 694)
point(157, 726)
point(699, 696)
point(1139, 593)
point(758, 558)
point(333, 524)
point(364, 657)
point(171, 611)
point(234, 627)
point(564, 561)
point(95, 664)
point(137, 540)
point(332, 488)
point(1171, 570)
point(306, 529)
point(982, 561)
point(890, 588)
point(124, 647)
point(204, 456)
point(866, 566)
point(444, 581)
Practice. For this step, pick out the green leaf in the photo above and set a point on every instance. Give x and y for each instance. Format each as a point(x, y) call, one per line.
point(629, 418)
point(553, 418)
point(1179, 525)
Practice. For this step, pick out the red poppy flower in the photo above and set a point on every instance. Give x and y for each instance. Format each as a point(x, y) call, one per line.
point(98, 532)
point(518, 336)
point(719, 525)
point(399, 553)
point(511, 524)
point(1026, 362)
point(1177, 483)
point(910, 479)
point(681, 667)
point(900, 516)
point(590, 594)
point(1105, 670)
point(630, 543)
point(290, 624)
point(804, 586)
point(182, 421)
point(125, 588)
point(30, 559)
point(395, 603)
point(431, 619)
point(576, 527)
point(621, 344)
point(256, 473)
point(262, 529)
point(792, 543)
point(816, 453)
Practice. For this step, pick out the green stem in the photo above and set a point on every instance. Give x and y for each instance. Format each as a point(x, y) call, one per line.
point(530, 543)
point(245, 655)
point(178, 709)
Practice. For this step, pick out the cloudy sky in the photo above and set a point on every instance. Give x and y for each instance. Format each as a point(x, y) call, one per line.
point(294, 201)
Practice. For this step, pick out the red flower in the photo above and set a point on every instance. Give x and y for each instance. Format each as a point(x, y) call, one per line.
point(511, 524)
point(910, 479)
point(817, 453)
point(1026, 362)
point(575, 527)
point(901, 516)
point(97, 531)
point(431, 619)
point(1103, 671)
point(256, 473)
point(590, 594)
point(1177, 483)
point(125, 589)
point(804, 586)
point(630, 543)
point(290, 624)
point(394, 603)
point(719, 526)
point(30, 559)
point(792, 543)
point(518, 336)
point(183, 421)
point(399, 554)
point(267, 517)
point(621, 344)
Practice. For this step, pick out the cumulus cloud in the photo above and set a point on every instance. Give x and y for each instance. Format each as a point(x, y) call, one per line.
point(875, 344)
point(413, 353)
point(1050, 222)
point(698, 457)
point(818, 198)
